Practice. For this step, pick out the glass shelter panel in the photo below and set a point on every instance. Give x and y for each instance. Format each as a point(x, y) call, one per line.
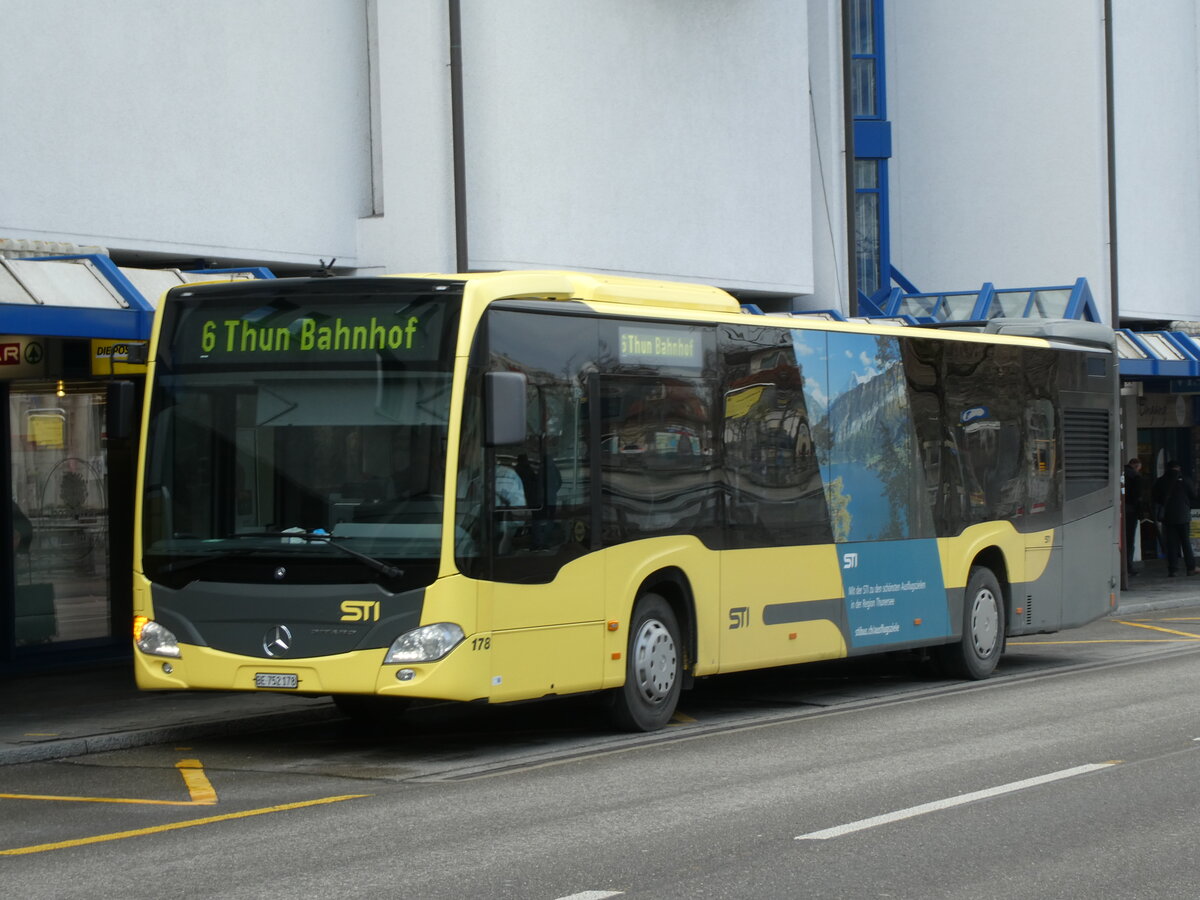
point(60, 512)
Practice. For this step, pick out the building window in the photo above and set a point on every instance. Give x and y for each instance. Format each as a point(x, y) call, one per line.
point(868, 225)
point(866, 57)
point(872, 146)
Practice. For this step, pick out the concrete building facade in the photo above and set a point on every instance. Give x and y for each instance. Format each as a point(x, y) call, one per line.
point(742, 143)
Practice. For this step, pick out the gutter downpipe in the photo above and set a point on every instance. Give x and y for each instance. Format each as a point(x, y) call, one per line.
point(456, 128)
point(1110, 120)
point(1114, 309)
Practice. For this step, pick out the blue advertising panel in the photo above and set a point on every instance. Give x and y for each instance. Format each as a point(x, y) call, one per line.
point(894, 592)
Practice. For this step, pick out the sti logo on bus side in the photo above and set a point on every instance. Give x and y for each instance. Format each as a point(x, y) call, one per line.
point(849, 560)
point(360, 610)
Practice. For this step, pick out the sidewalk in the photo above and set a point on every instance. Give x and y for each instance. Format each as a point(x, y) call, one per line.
point(64, 714)
point(91, 710)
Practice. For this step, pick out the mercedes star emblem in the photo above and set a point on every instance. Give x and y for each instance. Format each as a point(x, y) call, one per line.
point(277, 640)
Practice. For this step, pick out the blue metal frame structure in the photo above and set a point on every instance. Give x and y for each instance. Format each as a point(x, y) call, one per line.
point(1150, 364)
point(134, 322)
point(872, 131)
point(1072, 301)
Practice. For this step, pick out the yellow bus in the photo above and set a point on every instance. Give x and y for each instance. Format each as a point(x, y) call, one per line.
point(513, 485)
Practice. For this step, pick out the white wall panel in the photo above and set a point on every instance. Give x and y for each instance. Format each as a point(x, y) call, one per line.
point(660, 139)
point(1158, 180)
point(228, 127)
point(412, 228)
point(999, 141)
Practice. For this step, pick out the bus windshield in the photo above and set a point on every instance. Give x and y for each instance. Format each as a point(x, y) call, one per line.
point(300, 432)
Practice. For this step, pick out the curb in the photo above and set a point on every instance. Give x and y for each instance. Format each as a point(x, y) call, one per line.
point(143, 737)
point(1126, 609)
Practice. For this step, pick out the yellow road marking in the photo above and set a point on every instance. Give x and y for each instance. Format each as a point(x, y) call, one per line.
point(1188, 634)
point(97, 799)
point(174, 826)
point(681, 719)
point(1113, 641)
point(199, 789)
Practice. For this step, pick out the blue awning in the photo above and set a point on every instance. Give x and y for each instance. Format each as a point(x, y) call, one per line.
point(90, 296)
point(1148, 354)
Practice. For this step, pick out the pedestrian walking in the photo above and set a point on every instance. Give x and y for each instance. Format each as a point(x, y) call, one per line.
point(1174, 497)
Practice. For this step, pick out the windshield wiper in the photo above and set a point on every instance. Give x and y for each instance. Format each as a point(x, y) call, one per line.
point(387, 570)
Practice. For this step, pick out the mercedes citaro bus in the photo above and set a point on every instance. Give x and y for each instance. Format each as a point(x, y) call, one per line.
point(513, 485)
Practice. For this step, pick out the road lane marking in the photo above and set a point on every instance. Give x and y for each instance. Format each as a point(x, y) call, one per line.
point(1182, 636)
point(1192, 640)
point(98, 800)
point(592, 895)
point(197, 783)
point(1188, 634)
point(949, 802)
point(678, 719)
point(199, 788)
point(175, 826)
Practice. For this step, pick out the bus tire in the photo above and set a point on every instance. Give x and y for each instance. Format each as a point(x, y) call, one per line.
point(653, 668)
point(977, 653)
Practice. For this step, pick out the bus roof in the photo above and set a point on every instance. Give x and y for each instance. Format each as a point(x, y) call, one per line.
point(589, 286)
point(687, 296)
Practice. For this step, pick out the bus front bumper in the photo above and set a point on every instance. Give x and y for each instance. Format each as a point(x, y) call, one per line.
point(460, 675)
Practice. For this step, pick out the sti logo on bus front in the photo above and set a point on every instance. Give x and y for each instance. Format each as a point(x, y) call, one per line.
point(360, 610)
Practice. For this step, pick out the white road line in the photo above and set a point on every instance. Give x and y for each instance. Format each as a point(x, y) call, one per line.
point(593, 895)
point(863, 824)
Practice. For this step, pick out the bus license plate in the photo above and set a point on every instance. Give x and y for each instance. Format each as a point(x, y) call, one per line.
point(273, 680)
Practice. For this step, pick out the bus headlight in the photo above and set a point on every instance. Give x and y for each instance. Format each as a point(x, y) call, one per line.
point(425, 644)
point(152, 638)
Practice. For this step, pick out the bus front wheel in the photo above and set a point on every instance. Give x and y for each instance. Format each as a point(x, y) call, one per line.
point(977, 653)
point(653, 668)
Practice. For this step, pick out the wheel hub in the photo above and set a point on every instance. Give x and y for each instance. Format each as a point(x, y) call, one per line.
point(985, 622)
point(654, 661)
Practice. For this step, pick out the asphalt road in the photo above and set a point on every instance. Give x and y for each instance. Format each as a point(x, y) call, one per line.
point(1068, 775)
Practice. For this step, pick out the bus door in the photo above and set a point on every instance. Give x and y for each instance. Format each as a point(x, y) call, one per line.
point(541, 587)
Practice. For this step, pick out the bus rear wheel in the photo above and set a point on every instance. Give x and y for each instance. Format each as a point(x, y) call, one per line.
point(653, 668)
point(977, 653)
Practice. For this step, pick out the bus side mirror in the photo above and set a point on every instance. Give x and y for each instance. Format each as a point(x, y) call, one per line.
point(121, 410)
point(504, 415)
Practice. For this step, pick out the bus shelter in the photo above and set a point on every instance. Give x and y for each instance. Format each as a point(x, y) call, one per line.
point(67, 324)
